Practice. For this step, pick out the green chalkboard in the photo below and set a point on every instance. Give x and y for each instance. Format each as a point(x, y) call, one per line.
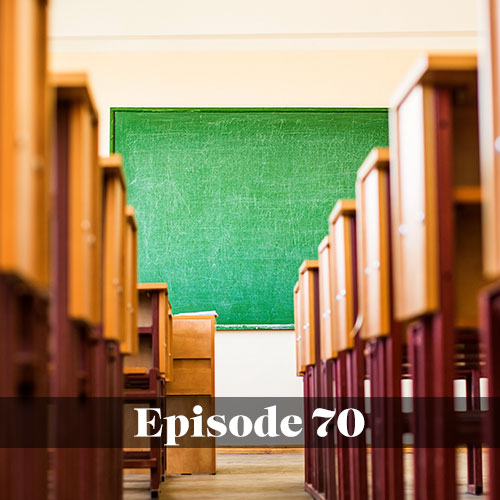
point(230, 201)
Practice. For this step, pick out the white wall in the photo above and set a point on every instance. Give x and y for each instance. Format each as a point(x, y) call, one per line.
point(263, 53)
point(126, 18)
point(256, 364)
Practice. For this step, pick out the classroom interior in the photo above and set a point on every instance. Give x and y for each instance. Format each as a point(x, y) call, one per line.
point(227, 204)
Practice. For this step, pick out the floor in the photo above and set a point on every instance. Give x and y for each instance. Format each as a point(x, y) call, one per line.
point(249, 476)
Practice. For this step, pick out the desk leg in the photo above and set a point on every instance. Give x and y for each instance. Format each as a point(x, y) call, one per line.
point(420, 354)
point(344, 484)
point(308, 458)
point(357, 446)
point(328, 450)
point(440, 327)
point(319, 485)
point(23, 373)
point(386, 419)
point(474, 452)
point(393, 353)
point(116, 393)
point(311, 439)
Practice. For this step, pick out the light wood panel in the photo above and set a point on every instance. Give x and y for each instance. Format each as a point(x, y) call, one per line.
point(114, 246)
point(195, 459)
point(342, 234)
point(85, 200)
point(372, 223)
point(24, 165)
point(193, 383)
point(422, 180)
point(308, 279)
point(130, 344)
point(327, 345)
point(300, 366)
point(193, 337)
point(192, 377)
point(169, 374)
point(414, 204)
point(489, 100)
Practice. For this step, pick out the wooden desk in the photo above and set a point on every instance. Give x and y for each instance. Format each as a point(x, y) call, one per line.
point(114, 200)
point(327, 345)
point(383, 348)
point(435, 175)
point(437, 250)
point(343, 292)
point(308, 280)
point(76, 133)
point(109, 381)
point(193, 383)
point(24, 142)
point(83, 366)
point(373, 252)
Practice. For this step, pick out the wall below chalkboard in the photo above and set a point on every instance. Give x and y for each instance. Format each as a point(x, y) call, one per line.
point(230, 201)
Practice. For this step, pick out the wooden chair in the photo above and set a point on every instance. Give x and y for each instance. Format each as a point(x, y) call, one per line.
point(146, 374)
point(379, 329)
point(24, 230)
point(194, 384)
point(437, 240)
point(489, 96)
point(349, 367)
point(76, 270)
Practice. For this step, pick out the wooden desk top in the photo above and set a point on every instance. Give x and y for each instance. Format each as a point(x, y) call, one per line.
point(307, 265)
point(152, 287)
point(324, 243)
point(130, 214)
point(342, 207)
point(377, 158)
point(74, 87)
point(435, 68)
point(113, 166)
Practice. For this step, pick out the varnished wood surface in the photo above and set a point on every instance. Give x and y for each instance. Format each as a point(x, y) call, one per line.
point(270, 477)
point(238, 476)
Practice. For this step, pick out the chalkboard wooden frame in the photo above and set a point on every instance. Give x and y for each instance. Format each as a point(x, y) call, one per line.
point(354, 112)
